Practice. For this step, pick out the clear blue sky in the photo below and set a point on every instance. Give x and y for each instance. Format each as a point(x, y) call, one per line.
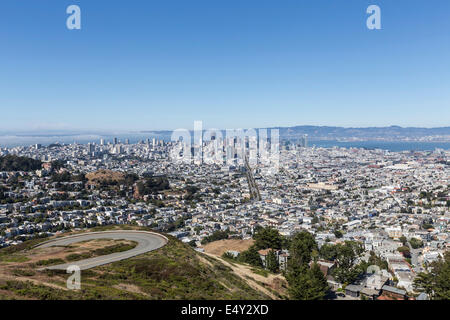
point(231, 63)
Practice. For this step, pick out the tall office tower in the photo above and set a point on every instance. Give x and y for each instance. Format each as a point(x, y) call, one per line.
point(148, 141)
point(37, 146)
point(304, 141)
point(127, 141)
point(102, 142)
point(115, 141)
point(154, 142)
point(90, 147)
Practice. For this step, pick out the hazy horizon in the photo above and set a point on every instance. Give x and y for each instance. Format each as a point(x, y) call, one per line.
point(74, 131)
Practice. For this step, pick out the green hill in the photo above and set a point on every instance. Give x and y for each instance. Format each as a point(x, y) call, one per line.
point(15, 163)
point(175, 271)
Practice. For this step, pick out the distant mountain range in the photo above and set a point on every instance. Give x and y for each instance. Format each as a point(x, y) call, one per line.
point(392, 133)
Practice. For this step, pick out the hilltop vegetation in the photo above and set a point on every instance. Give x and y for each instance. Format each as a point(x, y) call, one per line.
point(175, 271)
point(15, 163)
point(152, 185)
point(105, 177)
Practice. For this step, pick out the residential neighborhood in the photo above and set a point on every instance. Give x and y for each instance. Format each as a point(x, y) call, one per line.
point(394, 204)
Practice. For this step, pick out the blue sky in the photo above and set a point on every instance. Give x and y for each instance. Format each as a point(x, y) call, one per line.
point(139, 65)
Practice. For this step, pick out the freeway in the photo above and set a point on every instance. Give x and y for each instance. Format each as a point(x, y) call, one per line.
point(147, 241)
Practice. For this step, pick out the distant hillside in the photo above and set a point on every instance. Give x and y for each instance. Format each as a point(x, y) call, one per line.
point(393, 133)
point(175, 271)
point(389, 133)
point(15, 163)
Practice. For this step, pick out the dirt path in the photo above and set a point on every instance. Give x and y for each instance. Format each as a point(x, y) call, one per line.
point(244, 272)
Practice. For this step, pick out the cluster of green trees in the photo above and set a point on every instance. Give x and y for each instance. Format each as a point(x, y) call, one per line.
point(347, 269)
point(251, 256)
point(152, 185)
point(15, 163)
point(375, 260)
point(346, 255)
point(2, 192)
point(266, 238)
point(436, 281)
point(306, 280)
point(427, 224)
point(217, 235)
point(58, 164)
point(416, 243)
point(191, 193)
point(66, 176)
point(405, 251)
point(179, 223)
point(130, 178)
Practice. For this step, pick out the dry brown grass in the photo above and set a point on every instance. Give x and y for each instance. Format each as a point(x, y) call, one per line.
point(274, 282)
point(258, 282)
point(219, 247)
point(38, 254)
point(104, 175)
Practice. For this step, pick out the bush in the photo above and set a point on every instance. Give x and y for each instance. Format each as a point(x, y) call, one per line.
point(49, 262)
point(217, 235)
point(78, 256)
point(251, 256)
point(15, 163)
point(23, 273)
point(416, 243)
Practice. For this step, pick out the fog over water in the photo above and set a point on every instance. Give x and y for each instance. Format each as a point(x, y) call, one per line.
point(12, 140)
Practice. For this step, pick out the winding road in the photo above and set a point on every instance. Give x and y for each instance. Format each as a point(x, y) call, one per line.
point(147, 241)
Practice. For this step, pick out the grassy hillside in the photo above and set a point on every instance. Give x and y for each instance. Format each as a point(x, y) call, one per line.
point(175, 271)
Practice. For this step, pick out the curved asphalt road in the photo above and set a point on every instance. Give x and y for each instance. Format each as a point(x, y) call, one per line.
point(147, 241)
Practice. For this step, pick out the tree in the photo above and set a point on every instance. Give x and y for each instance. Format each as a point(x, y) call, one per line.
point(377, 261)
point(266, 238)
point(307, 283)
point(272, 262)
point(328, 252)
point(436, 281)
point(404, 250)
point(346, 257)
point(16, 163)
point(228, 255)
point(300, 251)
point(338, 234)
point(403, 240)
point(217, 235)
point(192, 243)
point(416, 243)
point(251, 256)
